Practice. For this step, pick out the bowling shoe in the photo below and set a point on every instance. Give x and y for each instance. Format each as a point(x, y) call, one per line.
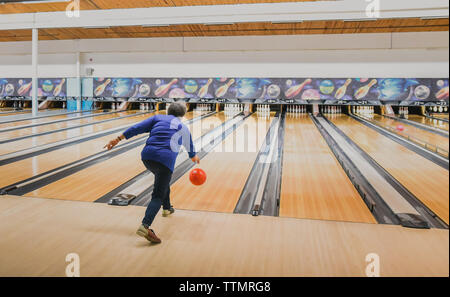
point(148, 234)
point(168, 212)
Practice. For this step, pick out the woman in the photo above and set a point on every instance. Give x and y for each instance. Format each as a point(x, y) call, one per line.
point(167, 134)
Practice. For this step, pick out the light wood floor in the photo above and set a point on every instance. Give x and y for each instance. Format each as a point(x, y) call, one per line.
point(423, 135)
point(426, 180)
point(95, 181)
point(62, 125)
point(313, 184)
point(427, 121)
point(37, 234)
point(227, 169)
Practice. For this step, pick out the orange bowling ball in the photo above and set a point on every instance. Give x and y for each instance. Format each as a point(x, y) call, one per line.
point(197, 177)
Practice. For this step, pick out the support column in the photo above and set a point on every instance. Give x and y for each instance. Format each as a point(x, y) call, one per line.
point(79, 94)
point(34, 63)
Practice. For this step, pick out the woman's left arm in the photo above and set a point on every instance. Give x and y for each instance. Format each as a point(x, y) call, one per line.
point(139, 128)
point(114, 142)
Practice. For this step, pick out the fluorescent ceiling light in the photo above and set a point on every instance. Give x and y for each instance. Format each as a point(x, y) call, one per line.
point(359, 20)
point(211, 24)
point(96, 27)
point(156, 25)
point(434, 17)
point(287, 22)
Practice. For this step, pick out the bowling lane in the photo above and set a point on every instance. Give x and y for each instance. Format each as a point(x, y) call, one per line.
point(95, 181)
point(15, 113)
point(422, 135)
point(56, 126)
point(227, 169)
point(10, 147)
point(440, 115)
point(313, 184)
point(426, 180)
point(427, 121)
point(30, 167)
point(25, 121)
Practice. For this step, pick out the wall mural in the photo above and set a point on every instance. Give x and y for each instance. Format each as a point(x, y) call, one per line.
point(258, 90)
point(276, 89)
point(48, 87)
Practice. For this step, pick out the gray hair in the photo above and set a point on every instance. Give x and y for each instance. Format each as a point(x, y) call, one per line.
point(177, 109)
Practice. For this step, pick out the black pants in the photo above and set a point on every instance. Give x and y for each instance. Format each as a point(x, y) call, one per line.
point(161, 190)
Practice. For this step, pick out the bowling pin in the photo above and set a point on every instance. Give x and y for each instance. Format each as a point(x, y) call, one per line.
point(362, 92)
point(101, 88)
point(162, 90)
point(442, 93)
point(24, 89)
point(58, 88)
point(295, 90)
point(224, 89)
point(342, 90)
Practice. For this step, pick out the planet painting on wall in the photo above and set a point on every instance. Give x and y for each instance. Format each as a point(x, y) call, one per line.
point(9, 89)
point(177, 93)
point(311, 94)
point(144, 90)
point(248, 88)
point(273, 91)
point(190, 86)
point(121, 87)
point(326, 87)
point(422, 92)
point(361, 80)
point(47, 86)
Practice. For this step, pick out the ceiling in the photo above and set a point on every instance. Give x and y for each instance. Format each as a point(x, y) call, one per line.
point(309, 27)
point(192, 30)
point(9, 8)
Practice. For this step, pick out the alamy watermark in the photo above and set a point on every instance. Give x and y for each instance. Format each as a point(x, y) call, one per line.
point(73, 268)
point(373, 266)
point(73, 9)
point(373, 8)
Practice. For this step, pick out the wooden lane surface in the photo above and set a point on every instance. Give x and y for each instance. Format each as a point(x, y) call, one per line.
point(422, 135)
point(427, 121)
point(30, 167)
point(313, 184)
point(45, 120)
point(6, 148)
point(426, 180)
point(15, 113)
point(227, 168)
point(198, 243)
point(440, 115)
point(95, 181)
point(62, 125)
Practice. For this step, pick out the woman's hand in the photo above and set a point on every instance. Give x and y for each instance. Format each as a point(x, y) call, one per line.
point(196, 159)
point(113, 143)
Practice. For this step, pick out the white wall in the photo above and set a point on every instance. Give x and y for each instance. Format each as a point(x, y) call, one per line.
point(353, 55)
